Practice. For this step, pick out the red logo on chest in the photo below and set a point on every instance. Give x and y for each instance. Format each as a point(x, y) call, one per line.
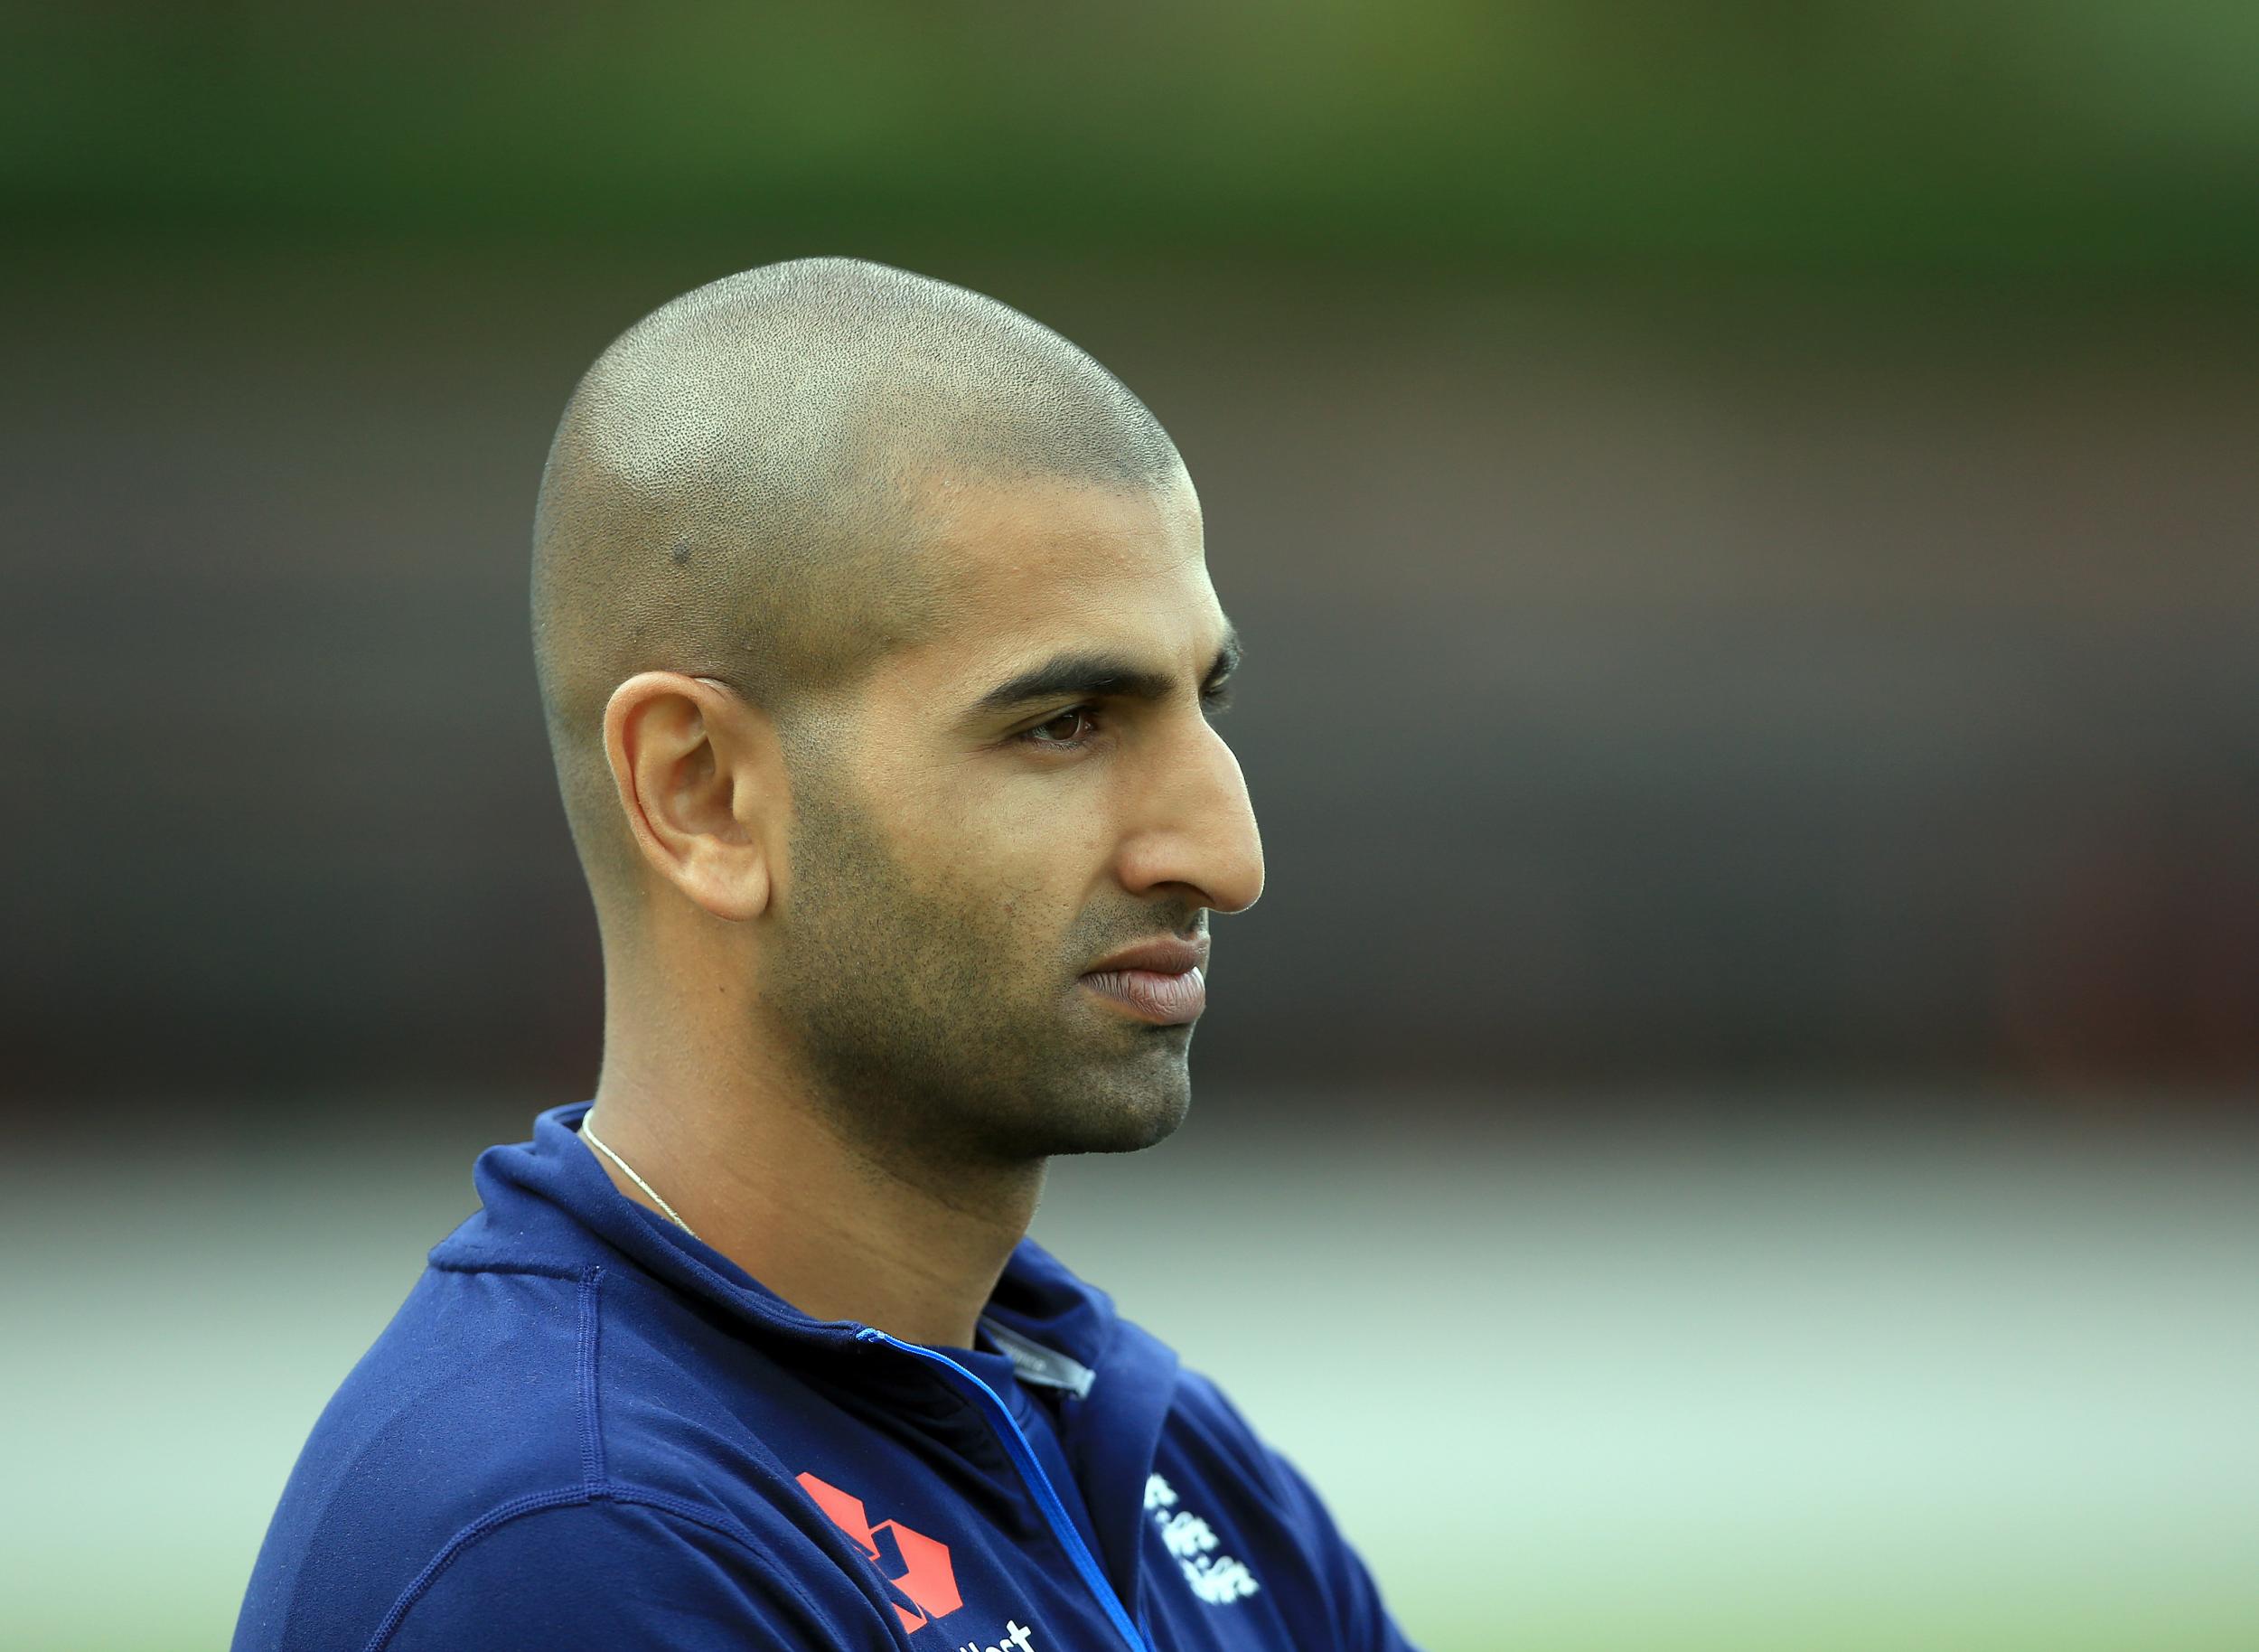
point(914, 1566)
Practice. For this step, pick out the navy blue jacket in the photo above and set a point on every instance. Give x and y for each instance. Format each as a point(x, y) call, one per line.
point(585, 1428)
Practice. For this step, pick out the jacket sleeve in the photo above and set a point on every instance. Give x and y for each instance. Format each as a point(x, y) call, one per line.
point(1360, 1622)
point(1364, 1623)
point(614, 1573)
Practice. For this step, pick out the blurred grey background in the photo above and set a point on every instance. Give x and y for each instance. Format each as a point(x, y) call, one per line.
point(1733, 1124)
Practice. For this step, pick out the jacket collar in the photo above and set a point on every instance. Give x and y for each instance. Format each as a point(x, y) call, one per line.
point(544, 1201)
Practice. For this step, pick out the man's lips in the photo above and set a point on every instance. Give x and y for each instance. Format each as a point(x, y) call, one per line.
point(1160, 981)
point(1170, 1000)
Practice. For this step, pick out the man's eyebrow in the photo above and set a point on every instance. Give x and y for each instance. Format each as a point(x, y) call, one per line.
point(1095, 675)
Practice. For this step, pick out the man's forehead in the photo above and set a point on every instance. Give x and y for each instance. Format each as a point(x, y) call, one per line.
point(986, 534)
point(1029, 569)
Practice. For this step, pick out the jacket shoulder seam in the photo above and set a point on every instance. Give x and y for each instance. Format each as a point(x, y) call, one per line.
point(586, 1494)
point(501, 1514)
point(591, 1465)
point(464, 1259)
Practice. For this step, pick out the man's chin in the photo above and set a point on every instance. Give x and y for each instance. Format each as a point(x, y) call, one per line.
point(1126, 1118)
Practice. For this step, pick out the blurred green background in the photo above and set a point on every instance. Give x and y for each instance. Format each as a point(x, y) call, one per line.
point(1733, 1125)
point(2073, 139)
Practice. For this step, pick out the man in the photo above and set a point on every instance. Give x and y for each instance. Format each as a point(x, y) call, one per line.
point(878, 654)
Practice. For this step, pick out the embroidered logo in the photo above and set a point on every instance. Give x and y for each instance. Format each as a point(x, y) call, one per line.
point(1016, 1639)
point(916, 1566)
point(1217, 1579)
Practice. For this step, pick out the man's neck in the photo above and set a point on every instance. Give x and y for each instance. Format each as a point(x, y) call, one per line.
point(764, 1179)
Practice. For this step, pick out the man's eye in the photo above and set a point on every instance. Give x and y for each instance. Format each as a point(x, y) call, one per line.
point(1070, 720)
point(1077, 725)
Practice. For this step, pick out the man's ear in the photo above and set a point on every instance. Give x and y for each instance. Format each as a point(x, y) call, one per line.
point(701, 779)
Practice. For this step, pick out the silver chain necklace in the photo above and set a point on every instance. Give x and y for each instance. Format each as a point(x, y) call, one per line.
point(589, 1136)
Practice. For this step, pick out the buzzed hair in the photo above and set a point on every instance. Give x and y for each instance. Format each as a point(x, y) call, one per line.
point(734, 491)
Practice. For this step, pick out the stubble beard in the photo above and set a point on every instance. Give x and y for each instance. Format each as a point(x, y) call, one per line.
point(933, 1040)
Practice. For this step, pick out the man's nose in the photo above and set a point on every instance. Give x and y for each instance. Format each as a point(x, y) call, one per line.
point(1197, 828)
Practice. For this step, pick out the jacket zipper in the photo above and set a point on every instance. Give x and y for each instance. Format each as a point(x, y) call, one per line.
point(1022, 1456)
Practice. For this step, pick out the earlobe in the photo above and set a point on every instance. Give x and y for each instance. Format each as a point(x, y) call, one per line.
point(695, 784)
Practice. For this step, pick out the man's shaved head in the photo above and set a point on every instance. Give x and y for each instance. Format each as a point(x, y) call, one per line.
point(738, 487)
point(879, 656)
